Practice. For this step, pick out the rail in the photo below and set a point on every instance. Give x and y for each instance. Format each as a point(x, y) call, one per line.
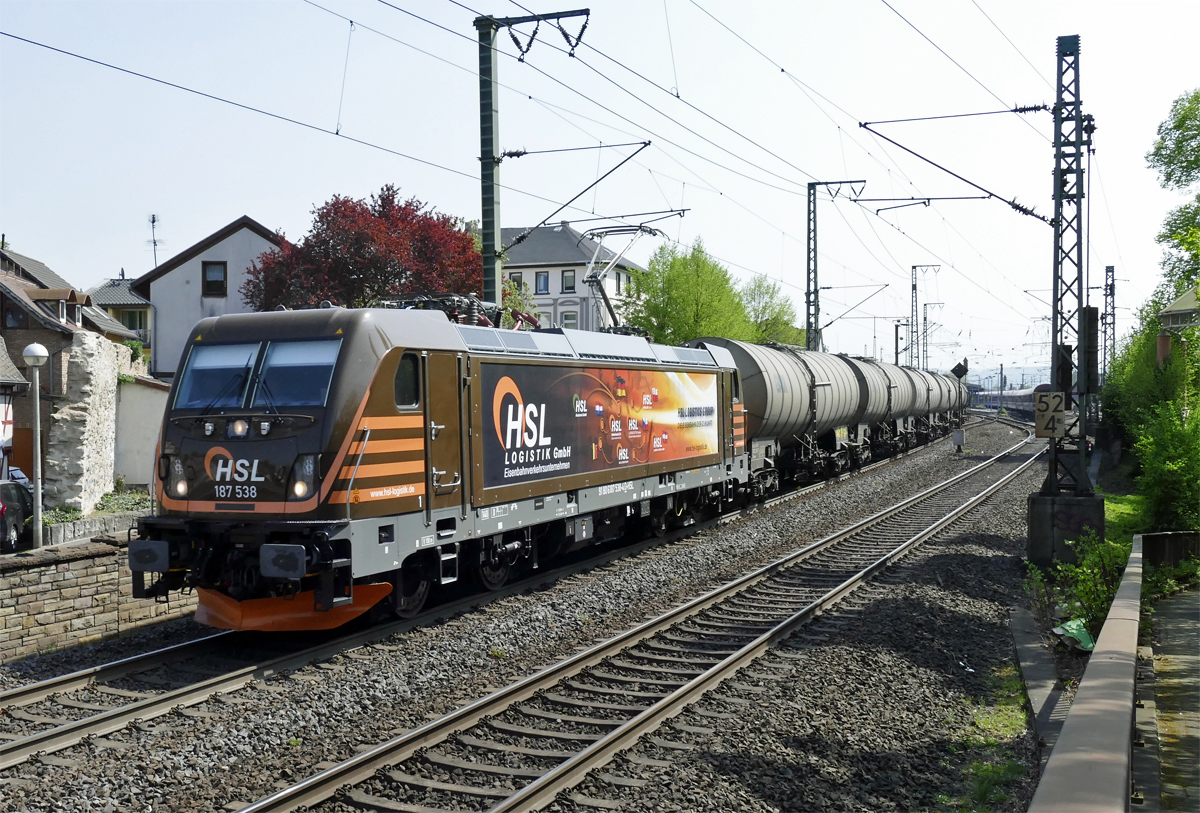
point(1089, 768)
point(739, 615)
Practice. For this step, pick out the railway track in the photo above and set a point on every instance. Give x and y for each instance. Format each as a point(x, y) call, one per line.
point(42, 718)
point(520, 747)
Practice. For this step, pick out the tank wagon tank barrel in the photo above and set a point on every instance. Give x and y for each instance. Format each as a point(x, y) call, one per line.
point(315, 465)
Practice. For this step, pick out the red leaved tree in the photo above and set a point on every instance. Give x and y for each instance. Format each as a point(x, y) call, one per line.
point(360, 252)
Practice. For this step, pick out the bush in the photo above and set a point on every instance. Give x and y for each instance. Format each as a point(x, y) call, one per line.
point(124, 500)
point(56, 515)
point(1089, 586)
point(1163, 581)
point(1169, 451)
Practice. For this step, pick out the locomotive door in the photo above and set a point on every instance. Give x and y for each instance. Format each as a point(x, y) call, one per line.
point(444, 473)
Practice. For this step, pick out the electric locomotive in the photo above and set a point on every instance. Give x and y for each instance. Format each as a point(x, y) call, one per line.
point(316, 464)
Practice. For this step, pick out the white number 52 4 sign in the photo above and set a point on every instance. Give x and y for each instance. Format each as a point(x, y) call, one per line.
point(1050, 414)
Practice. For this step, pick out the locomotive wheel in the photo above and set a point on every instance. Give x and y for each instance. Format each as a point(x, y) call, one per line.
point(490, 575)
point(411, 590)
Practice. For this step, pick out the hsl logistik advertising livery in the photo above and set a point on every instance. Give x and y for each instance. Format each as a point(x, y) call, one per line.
point(315, 464)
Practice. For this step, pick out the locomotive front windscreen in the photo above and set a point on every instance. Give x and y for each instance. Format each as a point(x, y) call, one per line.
point(296, 373)
point(216, 376)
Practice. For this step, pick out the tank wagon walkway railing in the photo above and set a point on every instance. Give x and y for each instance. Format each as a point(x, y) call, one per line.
point(1090, 767)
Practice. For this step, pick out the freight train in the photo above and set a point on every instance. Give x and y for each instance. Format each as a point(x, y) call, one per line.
point(316, 464)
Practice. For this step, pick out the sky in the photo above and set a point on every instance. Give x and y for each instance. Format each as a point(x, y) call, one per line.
point(744, 104)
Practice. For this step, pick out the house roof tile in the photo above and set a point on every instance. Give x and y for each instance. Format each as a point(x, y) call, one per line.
point(10, 376)
point(556, 245)
point(115, 293)
point(38, 271)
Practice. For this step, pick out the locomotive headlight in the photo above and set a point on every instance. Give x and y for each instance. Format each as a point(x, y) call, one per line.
point(237, 429)
point(179, 485)
point(303, 481)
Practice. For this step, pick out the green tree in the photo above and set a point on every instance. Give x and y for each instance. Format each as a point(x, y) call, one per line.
point(685, 295)
point(518, 299)
point(1175, 155)
point(771, 312)
point(1155, 405)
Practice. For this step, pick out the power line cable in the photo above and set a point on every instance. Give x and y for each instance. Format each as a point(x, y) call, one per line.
point(956, 63)
point(276, 116)
point(808, 91)
point(1014, 45)
point(616, 84)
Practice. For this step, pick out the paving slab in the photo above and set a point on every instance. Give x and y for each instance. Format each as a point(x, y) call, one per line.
point(1177, 698)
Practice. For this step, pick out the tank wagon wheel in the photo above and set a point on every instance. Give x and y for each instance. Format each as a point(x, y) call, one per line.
point(410, 590)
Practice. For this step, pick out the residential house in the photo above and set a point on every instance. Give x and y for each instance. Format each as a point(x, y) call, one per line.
point(553, 261)
point(199, 282)
point(1184, 312)
point(78, 384)
point(115, 297)
point(12, 384)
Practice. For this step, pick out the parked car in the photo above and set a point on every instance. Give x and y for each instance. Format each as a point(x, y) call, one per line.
point(18, 476)
point(16, 505)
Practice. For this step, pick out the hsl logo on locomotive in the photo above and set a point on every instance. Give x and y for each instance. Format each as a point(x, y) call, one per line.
point(525, 424)
point(231, 470)
point(521, 428)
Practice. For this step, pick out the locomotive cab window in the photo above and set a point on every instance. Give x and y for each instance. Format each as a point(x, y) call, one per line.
point(297, 373)
point(216, 375)
point(408, 382)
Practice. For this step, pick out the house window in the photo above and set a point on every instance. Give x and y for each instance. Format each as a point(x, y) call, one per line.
point(570, 319)
point(134, 320)
point(515, 279)
point(618, 282)
point(215, 278)
point(14, 317)
point(62, 311)
point(568, 282)
point(79, 315)
point(542, 285)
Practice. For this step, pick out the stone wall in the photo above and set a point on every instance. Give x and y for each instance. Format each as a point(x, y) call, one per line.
point(69, 596)
point(79, 460)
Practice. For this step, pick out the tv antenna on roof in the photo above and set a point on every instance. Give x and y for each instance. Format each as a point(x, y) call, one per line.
point(154, 241)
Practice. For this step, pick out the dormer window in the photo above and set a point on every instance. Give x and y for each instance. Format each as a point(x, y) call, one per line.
point(62, 311)
point(79, 315)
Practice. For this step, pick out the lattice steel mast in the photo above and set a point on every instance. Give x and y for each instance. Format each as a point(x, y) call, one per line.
point(1068, 362)
point(812, 290)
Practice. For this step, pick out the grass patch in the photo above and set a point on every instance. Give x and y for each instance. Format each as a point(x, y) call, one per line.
point(987, 750)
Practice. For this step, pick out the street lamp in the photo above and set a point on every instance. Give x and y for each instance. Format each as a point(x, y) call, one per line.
point(35, 356)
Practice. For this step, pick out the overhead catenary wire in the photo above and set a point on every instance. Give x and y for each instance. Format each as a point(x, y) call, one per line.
point(626, 119)
point(276, 116)
point(809, 92)
point(956, 62)
point(1014, 45)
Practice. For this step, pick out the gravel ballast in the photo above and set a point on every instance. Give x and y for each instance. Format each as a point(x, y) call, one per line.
point(285, 729)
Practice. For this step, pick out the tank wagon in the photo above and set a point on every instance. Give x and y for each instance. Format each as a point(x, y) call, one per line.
point(316, 464)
